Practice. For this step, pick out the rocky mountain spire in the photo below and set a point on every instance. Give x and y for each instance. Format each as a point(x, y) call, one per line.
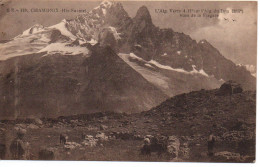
point(143, 15)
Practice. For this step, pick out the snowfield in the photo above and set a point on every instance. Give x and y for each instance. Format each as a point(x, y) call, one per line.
point(165, 67)
point(165, 77)
point(24, 44)
point(115, 33)
point(63, 49)
point(152, 76)
point(36, 39)
point(92, 41)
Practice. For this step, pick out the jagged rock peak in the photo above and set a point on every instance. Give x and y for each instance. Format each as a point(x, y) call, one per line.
point(143, 14)
point(105, 4)
point(111, 7)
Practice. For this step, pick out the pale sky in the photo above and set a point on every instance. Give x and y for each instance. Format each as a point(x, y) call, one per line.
point(236, 40)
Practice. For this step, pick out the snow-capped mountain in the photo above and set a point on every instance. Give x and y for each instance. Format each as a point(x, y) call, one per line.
point(109, 24)
point(53, 39)
point(104, 60)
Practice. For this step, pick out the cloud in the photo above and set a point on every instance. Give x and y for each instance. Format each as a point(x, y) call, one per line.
point(234, 35)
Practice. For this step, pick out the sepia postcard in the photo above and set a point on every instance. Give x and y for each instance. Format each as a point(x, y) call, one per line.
point(168, 81)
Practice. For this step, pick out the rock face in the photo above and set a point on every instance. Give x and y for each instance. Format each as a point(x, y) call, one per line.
point(74, 43)
point(107, 38)
point(184, 152)
point(32, 126)
point(56, 36)
point(173, 146)
point(90, 141)
point(71, 145)
point(102, 137)
point(38, 121)
point(226, 156)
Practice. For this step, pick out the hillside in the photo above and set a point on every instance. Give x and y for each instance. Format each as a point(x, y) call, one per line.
point(190, 117)
point(41, 87)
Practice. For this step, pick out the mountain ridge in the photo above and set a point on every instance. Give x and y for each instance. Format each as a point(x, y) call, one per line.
point(159, 64)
